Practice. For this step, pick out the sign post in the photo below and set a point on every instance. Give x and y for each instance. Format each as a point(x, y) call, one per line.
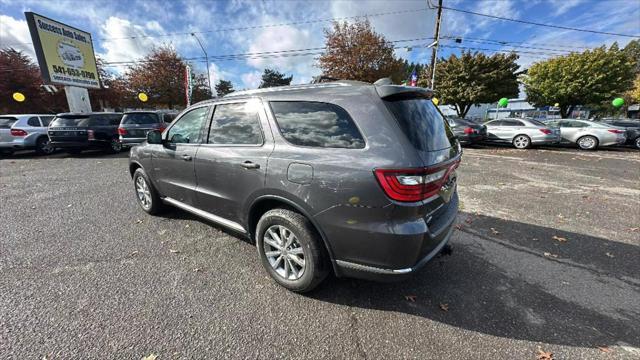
point(66, 57)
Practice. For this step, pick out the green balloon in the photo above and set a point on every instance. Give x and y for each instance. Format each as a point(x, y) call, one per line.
point(503, 102)
point(617, 102)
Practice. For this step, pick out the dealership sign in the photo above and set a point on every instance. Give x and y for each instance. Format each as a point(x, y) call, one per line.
point(65, 54)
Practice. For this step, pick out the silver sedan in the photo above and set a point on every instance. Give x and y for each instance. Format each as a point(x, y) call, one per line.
point(522, 133)
point(589, 135)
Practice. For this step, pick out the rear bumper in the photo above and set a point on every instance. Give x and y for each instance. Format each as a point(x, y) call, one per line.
point(383, 249)
point(17, 144)
point(126, 141)
point(471, 139)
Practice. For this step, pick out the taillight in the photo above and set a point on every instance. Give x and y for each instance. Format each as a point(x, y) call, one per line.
point(90, 135)
point(546, 131)
point(18, 132)
point(615, 131)
point(468, 130)
point(410, 185)
point(122, 131)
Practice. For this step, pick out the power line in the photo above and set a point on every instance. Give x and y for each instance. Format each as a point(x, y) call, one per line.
point(505, 42)
point(539, 24)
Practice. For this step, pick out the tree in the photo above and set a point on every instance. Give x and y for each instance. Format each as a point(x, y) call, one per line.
point(589, 78)
point(473, 78)
point(160, 75)
point(20, 74)
point(114, 91)
point(632, 49)
point(271, 78)
point(200, 90)
point(224, 87)
point(356, 52)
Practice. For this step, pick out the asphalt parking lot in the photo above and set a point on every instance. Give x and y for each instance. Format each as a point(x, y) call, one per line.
point(545, 259)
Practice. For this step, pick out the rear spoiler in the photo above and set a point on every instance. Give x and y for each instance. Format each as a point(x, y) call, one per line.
point(385, 91)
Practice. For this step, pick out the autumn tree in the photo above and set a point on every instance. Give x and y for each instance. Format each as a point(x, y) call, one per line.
point(474, 78)
point(200, 90)
point(632, 49)
point(224, 87)
point(271, 78)
point(356, 52)
point(114, 90)
point(160, 75)
point(592, 77)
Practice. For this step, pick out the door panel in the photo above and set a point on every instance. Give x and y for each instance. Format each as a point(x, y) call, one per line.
point(233, 164)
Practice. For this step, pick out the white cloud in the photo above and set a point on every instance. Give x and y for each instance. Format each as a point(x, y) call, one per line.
point(14, 33)
point(563, 6)
point(118, 44)
point(251, 80)
point(217, 74)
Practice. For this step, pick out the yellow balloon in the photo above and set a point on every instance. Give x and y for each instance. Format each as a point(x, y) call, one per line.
point(556, 105)
point(435, 101)
point(18, 96)
point(143, 97)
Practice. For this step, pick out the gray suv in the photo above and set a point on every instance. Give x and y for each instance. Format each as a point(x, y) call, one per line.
point(348, 177)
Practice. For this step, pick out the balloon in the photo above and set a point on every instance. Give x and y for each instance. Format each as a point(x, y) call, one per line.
point(617, 102)
point(143, 97)
point(503, 102)
point(435, 101)
point(18, 96)
point(556, 105)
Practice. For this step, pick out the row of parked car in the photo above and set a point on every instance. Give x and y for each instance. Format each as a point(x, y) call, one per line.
point(75, 132)
point(523, 133)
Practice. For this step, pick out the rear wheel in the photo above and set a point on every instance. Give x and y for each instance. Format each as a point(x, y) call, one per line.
point(146, 194)
point(290, 250)
point(44, 147)
point(638, 143)
point(521, 141)
point(115, 146)
point(587, 142)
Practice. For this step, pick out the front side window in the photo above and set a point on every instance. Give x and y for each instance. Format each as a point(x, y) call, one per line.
point(316, 124)
point(187, 129)
point(237, 124)
point(33, 121)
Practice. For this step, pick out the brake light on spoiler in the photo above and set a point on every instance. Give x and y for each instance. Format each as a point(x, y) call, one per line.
point(414, 184)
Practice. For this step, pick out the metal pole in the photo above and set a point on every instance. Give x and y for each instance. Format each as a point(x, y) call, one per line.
point(434, 49)
point(207, 59)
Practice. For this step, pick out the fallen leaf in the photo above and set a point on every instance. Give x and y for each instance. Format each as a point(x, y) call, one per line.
point(444, 307)
point(134, 253)
point(174, 251)
point(186, 226)
point(604, 349)
point(458, 226)
point(411, 298)
point(33, 207)
point(609, 254)
point(150, 357)
point(495, 232)
point(559, 238)
point(535, 239)
point(634, 229)
point(196, 270)
point(548, 254)
point(138, 221)
point(69, 205)
point(161, 232)
point(544, 355)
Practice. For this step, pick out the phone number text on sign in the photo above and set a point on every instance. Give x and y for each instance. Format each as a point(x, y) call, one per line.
point(73, 72)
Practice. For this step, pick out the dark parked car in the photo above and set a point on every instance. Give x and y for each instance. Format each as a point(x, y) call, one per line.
point(74, 132)
point(467, 131)
point(632, 129)
point(135, 125)
point(348, 177)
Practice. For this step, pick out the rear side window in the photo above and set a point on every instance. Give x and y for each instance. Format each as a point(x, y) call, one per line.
point(33, 121)
point(316, 124)
point(7, 122)
point(140, 119)
point(421, 122)
point(237, 123)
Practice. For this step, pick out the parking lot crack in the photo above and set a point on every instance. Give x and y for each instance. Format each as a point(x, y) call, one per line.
point(353, 327)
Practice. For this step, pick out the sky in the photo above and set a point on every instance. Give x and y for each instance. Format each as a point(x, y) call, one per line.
point(125, 31)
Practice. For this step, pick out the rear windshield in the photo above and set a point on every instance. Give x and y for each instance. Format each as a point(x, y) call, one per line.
point(140, 119)
point(536, 122)
point(421, 122)
point(87, 120)
point(70, 121)
point(6, 122)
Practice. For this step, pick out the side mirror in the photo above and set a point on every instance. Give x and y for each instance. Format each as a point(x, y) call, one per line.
point(154, 137)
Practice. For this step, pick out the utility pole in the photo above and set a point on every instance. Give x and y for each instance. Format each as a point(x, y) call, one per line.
point(207, 58)
point(434, 49)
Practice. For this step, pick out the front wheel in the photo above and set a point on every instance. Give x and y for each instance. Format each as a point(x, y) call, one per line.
point(587, 143)
point(146, 194)
point(290, 250)
point(521, 142)
point(44, 147)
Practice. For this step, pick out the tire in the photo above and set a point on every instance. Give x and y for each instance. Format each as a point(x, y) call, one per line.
point(146, 194)
point(587, 142)
point(44, 147)
point(521, 142)
point(305, 245)
point(115, 146)
point(637, 143)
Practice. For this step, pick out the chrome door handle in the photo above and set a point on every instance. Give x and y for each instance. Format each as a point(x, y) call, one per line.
point(186, 157)
point(250, 165)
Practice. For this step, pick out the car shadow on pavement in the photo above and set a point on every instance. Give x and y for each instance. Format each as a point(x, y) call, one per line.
point(515, 280)
point(59, 154)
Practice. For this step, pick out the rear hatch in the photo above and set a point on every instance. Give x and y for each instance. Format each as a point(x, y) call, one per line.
point(69, 128)
point(6, 122)
point(136, 125)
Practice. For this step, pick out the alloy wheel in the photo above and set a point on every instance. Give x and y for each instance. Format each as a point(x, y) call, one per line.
point(46, 147)
point(116, 145)
point(587, 142)
point(521, 142)
point(284, 253)
point(638, 143)
point(143, 193)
